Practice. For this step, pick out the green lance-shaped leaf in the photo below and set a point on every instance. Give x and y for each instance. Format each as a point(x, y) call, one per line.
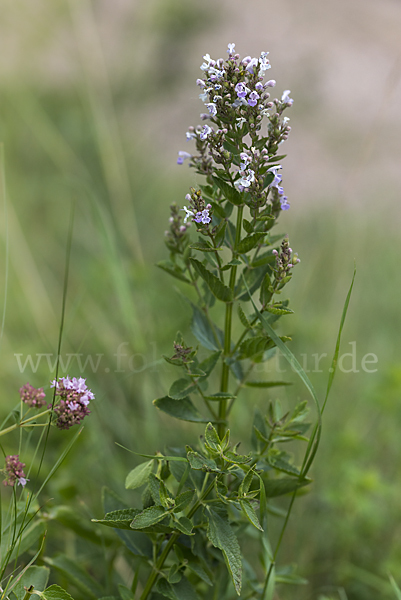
point(204, 246)
point(180, 409)
point(218, 289)
point(266, 384)
point(148, 517)
point(249, 242)
point(212, 339)
point(278, 309)
point(222, 536)
point(250, 513)
point(181, 388)
point(230, 193)
point(184, 525)
point(138, 476)
point(254, 346)
point(284, 485)
point(119, 519)
point(172, 270)
point(183, 500)
point(243, 318)
point(212, 439)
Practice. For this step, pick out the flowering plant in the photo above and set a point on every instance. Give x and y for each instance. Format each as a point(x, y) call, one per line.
point(201, 503)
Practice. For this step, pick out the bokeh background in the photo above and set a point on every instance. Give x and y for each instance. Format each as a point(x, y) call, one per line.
point(95, 99)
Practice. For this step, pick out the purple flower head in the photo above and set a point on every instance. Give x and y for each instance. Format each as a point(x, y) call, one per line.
point(246, 159)
point(206, 130)
point(245, 180)
point(280, 190)
point(74, 399)
point(215, 74)
point(231, 49)
point(253, 98)
point(286, 97)
point(201, 83)
point(182, 155)
point(285, 205)
point(212, 109)
point(32, 396)
point(241, 90)
point(14, 471)
point(259, 86)
point(251, 64)
point(203, 217)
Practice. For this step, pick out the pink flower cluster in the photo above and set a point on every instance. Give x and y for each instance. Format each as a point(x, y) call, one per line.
point(14, 471)
point(35, 398)
point(74, 399)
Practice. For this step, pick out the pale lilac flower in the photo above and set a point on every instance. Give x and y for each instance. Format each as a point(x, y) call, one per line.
point(206, 130)
point(239, 102)
point(253, 98)
point(280, 190)
point(217, 87)
point(200, 82)
point(286, 97)
point(277, 178)
point(251, 64)
point(241, 90)
point(270, 83)
point(246, 160)
point(212, 108)
point(259, 86)
point(203, 217)
point(231, 49)
point(215, 74)
point(182, 155)
point(190, 135)
point(188, 214)
point(245, 181)
point(205, 66)
point(285, 205)
point(241, 121)
point(204, 97)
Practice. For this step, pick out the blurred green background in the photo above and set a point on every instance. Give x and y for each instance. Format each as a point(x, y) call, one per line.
point(95, 99)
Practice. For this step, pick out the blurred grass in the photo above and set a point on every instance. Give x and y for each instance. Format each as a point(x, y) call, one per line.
point(72, 142)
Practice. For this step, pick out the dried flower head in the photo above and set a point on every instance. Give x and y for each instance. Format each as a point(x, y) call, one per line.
point(14, 471)
point(35, 398)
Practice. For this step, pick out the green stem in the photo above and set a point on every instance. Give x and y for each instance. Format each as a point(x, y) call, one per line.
point(227, 330)
point(23, 423)
point(158, 567)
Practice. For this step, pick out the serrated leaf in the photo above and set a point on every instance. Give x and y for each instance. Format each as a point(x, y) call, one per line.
point(211, 438)
point(243, 318)
point(119, 519)
point(203, 331)
point(230, 193)
point(183, 500)
point(254, 346)
point(181, 388)
point(279, 463)
point(204, 246)
point(249, 242)
point(250, 513)
point(36, 576)
point(184, 525)
point(201, 463)
point(138, 476)
point(284, 485)
point(266, 384)
point(172, 270)
point(177, 591)
point(248, 226)
point(55, 592)
point(222, 536)
point(278, 310)
point(180, 409)
point(218, 289)
point(148, 517)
